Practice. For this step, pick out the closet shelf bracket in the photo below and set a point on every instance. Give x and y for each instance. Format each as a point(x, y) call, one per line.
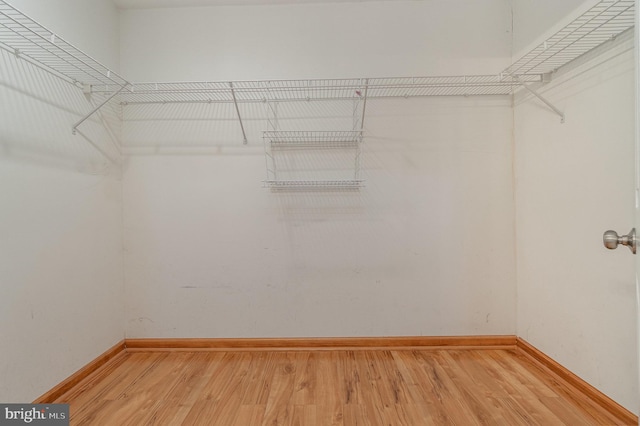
point(97, 108)
point(235, 102)
point(364, 103)
point(542, 98)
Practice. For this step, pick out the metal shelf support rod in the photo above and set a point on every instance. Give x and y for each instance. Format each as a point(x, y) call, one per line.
point(364, 104)
point(235, 102)
point(75, 126)
point(543, 99)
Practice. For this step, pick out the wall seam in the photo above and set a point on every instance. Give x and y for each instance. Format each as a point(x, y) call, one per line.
point(514, 182)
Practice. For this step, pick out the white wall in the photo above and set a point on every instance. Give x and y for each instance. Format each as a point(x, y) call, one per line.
point(576, 300)
point(60, 214)
point(426, 248)
point(536, 20)
point(331, 40)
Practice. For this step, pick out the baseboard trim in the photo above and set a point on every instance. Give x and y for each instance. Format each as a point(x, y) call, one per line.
point(575, 383)
point(76, 378)
point(323, 343)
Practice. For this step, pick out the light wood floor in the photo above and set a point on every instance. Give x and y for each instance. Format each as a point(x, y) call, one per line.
point(320, 388)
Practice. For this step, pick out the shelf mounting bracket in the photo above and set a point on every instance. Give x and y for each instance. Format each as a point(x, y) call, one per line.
point(539, 96)
point(364, 103)
point(235, 102)
point(75, 126)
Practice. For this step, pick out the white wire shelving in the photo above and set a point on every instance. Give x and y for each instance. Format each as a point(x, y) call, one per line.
point(337, 138)
point(34, 43)
point(316, 89)
point(603, 22)
point(320, 160)
point(304, 185)
point(29, 40)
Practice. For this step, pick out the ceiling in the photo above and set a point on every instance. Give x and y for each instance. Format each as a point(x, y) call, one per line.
point(135, 4)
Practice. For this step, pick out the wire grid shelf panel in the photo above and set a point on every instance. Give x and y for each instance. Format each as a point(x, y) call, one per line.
point(279, 138)
point(315, 89)
point(444, 86)
point(302, 160)
point(353, 89)
point(601, 23)
point(242, 91)
point(28, 39)
point(154, 93)
point(306, 185)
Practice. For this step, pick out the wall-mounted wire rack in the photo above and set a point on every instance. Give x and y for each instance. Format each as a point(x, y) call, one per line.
point(309, 139)
point(318, 89)
point(36, 44)
point(31, 41)
point(301, 160)
point(595, 27)
point(603, 22)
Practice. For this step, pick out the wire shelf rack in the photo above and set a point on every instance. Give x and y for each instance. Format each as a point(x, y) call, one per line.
point(33, 42)
point(307, 160)
point(318, 89)
point(279, 138)
point(304, 185)
point(603, 22)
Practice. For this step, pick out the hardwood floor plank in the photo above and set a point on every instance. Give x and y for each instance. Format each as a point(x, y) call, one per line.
point(329, 415)
point(279, 410)
point(558, 388)
point(357, 415)
point(566, 413)
point(222, 395)
point(445, 391)
point(524, 390)
point(249, 415)
point(261, 376)
point(305, 379)
point(304, 415)
point(421, 388)
point(318, 388)
point(134, 367)
point(329, 393)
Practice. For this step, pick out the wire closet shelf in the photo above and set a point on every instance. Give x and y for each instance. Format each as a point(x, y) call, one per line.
point(40, 46)
point(317, 89)
point(345, 161)
point(336, 138)
point(32, 42)
point(603, 22)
